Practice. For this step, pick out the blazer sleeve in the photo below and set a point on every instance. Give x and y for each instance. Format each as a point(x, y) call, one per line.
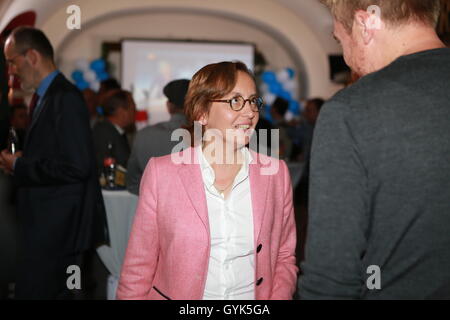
point(285, 275)
point(141, 257)
point(72, 161)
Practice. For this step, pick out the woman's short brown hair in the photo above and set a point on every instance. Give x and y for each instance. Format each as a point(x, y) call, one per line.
point(213, 81)
point(393, 12)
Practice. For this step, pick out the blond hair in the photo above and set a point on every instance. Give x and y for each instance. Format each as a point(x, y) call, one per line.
point(393, 12)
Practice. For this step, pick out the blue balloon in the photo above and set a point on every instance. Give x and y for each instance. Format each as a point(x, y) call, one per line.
point(77, 75)
point(269, 77)
point(81, 84)
point(102, 76)
point(275, 88)
point(98, 65)
point(285, 95)
point(291, 72)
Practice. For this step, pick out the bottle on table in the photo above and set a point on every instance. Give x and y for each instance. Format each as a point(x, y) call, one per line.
point(13, 141)
point(109, 168)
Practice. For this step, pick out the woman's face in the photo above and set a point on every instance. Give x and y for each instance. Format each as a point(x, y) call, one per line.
point(235, 127)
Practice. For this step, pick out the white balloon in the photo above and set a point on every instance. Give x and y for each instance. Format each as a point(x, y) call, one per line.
point(90, 76)
point(269, 98)
point(264, 88)
point(95, 85)
point(282, 75)
point(82, 64)
point(290, 85)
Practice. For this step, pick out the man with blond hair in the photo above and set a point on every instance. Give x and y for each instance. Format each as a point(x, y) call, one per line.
point(379, 211)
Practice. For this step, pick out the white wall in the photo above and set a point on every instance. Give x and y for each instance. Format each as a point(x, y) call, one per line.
point(166, 25)
point(295, 31)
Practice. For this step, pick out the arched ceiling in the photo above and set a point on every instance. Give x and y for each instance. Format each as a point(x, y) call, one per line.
point(310, 11)
point(303, 26)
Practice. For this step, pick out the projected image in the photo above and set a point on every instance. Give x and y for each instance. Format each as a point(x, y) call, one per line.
point(147, 66)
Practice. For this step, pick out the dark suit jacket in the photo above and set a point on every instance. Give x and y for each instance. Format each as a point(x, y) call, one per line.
point(151, 141)
point(105, 132)
point(60, 204)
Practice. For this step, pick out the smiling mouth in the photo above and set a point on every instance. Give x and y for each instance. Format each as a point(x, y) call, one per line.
point(242, 126)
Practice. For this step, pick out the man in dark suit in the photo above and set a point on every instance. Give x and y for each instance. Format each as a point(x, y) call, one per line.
point(60, 205)
point(119, 109)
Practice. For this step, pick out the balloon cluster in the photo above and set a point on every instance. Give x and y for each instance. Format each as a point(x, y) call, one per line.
point(280, 84)
point(88, 75)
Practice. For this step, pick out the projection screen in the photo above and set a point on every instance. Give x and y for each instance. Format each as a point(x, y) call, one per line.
point(147, 66)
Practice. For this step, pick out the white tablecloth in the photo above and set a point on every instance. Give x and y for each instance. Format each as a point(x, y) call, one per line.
point(120, 210)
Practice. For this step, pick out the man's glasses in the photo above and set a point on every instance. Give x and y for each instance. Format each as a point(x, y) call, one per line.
point(238, 103)
point(11, 61)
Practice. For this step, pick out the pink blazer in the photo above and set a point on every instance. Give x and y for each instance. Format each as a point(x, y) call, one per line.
point(168, 250)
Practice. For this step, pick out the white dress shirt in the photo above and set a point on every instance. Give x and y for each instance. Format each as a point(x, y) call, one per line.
point(231, 271)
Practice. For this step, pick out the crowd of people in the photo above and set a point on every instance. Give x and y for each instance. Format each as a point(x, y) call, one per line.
point(218, 220)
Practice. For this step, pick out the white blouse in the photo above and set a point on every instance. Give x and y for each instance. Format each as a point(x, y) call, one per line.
point(231, 271)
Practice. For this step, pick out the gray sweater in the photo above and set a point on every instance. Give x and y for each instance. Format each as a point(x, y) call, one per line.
point(380, 186)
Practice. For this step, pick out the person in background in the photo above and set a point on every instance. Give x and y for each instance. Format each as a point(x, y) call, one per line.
point(310, 115)
point(91, 99)
point(278, 112)
point(106, 86)
point(305, 134)
point(59, 201)
point(213, 227)
point(119, 110)
point(379, 209)
point(155, 141)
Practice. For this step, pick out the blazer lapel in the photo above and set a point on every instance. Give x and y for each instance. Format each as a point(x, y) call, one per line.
point(192, 181)
point(259, 185)
point(44, 102)
point(38, 111)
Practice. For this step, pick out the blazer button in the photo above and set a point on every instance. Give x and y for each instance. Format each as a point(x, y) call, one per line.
point(260, 280)
point(258, 249)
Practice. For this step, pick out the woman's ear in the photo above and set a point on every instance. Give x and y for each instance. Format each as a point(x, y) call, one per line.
point(203, 120)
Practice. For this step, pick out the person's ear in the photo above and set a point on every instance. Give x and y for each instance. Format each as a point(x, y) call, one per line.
point(203, 120)
point(365, 24)
point(33, 56)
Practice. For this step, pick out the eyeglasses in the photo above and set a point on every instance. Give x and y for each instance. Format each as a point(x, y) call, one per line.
point(11, 61)
point(238, 103)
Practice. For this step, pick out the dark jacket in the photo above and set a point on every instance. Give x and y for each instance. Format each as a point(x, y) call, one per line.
point(60, 204)
point(104, 132)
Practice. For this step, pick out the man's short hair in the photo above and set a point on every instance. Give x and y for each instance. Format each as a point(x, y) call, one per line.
point(31, 38)
point(318, 103)
point(281, 106)
point(114, 100)
point(175, 91)
point(109, 84)
point(393, 12)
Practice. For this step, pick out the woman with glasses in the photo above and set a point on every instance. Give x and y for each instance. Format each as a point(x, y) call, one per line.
point(219, 224)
